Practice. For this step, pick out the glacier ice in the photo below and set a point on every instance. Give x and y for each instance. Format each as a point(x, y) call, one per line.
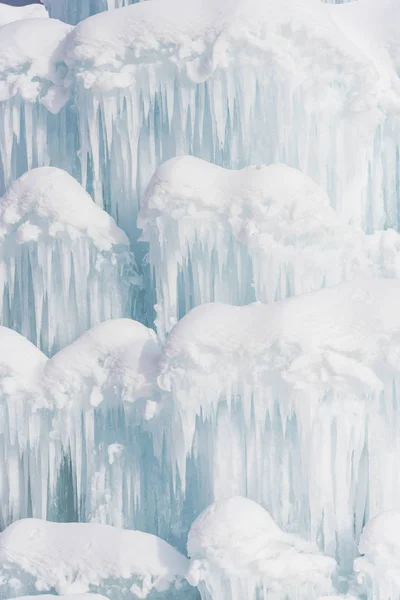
point(74, 558)
point(60, 254)
point(237, 551)
point(260, 233)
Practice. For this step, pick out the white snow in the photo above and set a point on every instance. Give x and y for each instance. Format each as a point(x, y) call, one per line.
point(72, 558)
point(59, 252)
point(116, 360)
point(258, 233)
point(29, 53)
point(378, 568)
point(8, 14)
point(53, 597)
point(237, 540)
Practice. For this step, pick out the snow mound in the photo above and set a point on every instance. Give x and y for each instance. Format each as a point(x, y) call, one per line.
point(347, 334)
point(19, 359)
point(72, 558)
point(260, 233)
point(9, 14)
point(116, 360)
point(378, 568)
point(30, 51)
point(237, 539)
point(48, 203)
point(59, 252)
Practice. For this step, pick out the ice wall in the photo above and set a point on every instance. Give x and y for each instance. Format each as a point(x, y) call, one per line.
point(60, 254)
point(72, 423)
point(148, 85)
point(305, 390)
point(260, 233)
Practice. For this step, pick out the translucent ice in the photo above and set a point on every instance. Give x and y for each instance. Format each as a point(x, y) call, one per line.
point(60, 254)
point(237, 551)
point(70, 423)
point(259, 233)
point(296, 387)
point(73, 558)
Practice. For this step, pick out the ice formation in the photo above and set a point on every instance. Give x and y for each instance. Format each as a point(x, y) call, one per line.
point(378, 568)
point(274, 369)
point(80, 437)
point(21, 365)
point(260, 233)
point(296, 387)
point(60, 254)
point(73, 558)
point(8, 14)
point(236, 541)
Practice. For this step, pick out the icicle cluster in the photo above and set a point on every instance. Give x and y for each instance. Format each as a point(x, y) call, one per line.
point(260, 390)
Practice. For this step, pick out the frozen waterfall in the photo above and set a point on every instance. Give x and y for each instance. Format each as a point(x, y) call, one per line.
point(199, 300)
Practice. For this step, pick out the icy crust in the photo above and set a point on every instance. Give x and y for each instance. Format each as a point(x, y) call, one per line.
point(73, 558)
point(30, 51)
point(259, 233)
point(60, 253)
point(8, 14)
point(236, 540)
point(378, 568)
point(115, 361)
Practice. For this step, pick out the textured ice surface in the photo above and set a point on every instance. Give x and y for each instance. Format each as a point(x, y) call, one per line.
point(236, 540)
point(73, 558)
point(292, 386)
point(378, 568)
point(260, 233)
point(21, 365)
point(151, 81)
point(8, 14)
point(60, 254)
point(70, 423)
point(53, 597)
